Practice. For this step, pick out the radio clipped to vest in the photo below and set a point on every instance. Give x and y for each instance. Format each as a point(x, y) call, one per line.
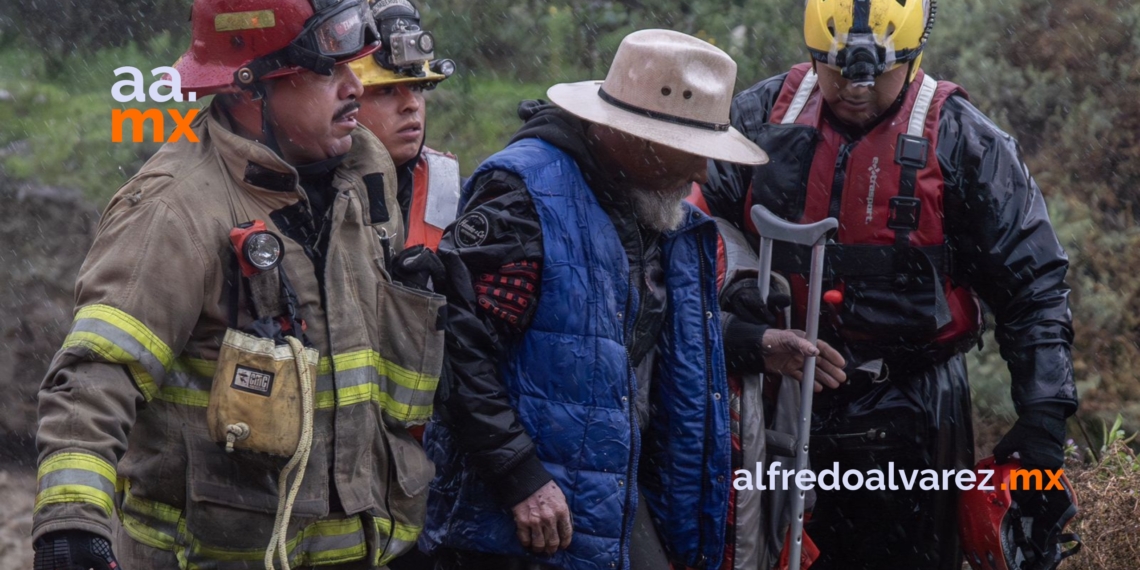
point(257, 401)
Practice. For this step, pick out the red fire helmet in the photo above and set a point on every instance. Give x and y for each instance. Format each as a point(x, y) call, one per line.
point(237, 43)
point(1015, 530)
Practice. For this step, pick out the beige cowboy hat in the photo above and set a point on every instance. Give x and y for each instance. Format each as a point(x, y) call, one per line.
point(668, 88)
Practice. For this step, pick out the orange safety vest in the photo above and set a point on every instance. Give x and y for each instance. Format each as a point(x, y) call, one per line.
point(435, 198)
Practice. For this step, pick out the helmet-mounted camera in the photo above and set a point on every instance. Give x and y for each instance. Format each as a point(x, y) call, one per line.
point(406, 46)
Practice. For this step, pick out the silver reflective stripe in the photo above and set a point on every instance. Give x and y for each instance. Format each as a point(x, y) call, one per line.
point(442, 191)
point(77, 477)
point(122, 339)
point(316, 545)
point(396, 547)
point(801, 98)
point(922, 106)
point(368, 375)
point(179, 379)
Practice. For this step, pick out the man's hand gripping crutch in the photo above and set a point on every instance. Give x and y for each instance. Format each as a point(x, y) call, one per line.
point(772, 229)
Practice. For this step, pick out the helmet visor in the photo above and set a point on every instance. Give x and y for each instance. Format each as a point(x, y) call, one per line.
point(337, 31)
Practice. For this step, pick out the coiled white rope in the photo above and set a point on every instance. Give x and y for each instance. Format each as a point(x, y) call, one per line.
point(299, 461)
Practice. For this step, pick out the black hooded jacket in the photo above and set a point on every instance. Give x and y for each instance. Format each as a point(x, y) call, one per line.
point(997, 227)
point(474, 400)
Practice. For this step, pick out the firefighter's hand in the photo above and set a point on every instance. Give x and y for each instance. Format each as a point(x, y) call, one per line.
point(785, 351)
point(74, 550)
point(543, 520)
point(419, 268)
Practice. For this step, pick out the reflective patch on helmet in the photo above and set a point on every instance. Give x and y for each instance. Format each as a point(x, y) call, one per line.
point(235, 21)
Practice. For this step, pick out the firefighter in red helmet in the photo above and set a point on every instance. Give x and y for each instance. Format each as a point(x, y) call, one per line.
point(230, 387)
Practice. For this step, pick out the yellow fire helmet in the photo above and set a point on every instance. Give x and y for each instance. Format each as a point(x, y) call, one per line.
point(866, 38)
point(407, 53)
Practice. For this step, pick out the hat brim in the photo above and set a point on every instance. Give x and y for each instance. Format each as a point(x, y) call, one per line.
point(581, 100)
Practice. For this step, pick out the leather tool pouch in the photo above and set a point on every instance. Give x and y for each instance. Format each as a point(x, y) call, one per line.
point(257, 386)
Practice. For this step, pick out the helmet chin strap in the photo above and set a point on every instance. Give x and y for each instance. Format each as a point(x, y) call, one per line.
point(269, 138)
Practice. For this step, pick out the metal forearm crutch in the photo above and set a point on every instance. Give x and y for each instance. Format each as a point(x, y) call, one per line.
point(772, 228)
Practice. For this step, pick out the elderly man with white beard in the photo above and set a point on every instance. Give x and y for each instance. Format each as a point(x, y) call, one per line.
point(587, 396)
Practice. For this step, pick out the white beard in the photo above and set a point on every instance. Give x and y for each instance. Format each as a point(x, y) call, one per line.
point(657, 210)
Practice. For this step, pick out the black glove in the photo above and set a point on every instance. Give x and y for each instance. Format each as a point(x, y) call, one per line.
point(1038, 436)
point(742, 298)
point(74, 550)
point(419, 268)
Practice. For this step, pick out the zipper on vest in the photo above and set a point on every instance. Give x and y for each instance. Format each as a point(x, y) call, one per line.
point(631, 387)
point(701, 561)
point(840, 180)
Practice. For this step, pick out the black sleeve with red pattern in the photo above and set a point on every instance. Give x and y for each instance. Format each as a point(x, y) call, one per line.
point(493, 254)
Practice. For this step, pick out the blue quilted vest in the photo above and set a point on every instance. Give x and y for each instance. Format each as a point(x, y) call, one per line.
point(571, 382)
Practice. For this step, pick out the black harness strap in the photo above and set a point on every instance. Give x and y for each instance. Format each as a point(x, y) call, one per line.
point(910, 154)
point(859, 260)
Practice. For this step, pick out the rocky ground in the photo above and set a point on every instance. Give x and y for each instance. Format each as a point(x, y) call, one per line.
point(17, 493)
point(44, 234)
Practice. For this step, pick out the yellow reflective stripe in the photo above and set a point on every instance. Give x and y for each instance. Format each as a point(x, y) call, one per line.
point(370, 392)
point(196, 366)
point(113, 353)
point(226, 555)
point(338, 556)
point(331, 529)
point(72, 460)
point(384, 367)
point(75, 478)
point(186, 365)
point(328, 399)
point(326, 530)
point(153, 509)
point(131, 326)
point(147, 535)
point(405, 533)
point(401, 411)
point(74, 494)
point(185, 396)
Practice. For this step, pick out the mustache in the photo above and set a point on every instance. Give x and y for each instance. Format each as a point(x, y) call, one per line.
point(348, 108)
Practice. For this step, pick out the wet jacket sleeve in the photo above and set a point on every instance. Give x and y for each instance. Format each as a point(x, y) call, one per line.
point(726, 191)
point(1005, 249)
point(138, 296)
point(493, 254)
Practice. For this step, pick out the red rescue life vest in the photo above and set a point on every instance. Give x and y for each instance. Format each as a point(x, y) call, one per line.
point(886, 191)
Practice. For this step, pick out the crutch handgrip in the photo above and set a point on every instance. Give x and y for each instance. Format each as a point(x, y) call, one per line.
point(769, 226)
